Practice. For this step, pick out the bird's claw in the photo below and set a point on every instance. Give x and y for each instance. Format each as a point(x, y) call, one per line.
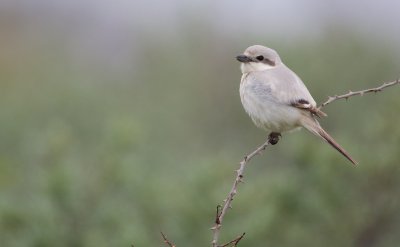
point(273, 138)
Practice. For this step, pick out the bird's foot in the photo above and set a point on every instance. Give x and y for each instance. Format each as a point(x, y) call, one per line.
point(274, 138)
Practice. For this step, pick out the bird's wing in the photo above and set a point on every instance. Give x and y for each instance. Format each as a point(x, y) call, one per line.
point(285, 87)
point(305, 105)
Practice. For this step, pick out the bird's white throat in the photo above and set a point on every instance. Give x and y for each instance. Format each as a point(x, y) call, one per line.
point(253, 66)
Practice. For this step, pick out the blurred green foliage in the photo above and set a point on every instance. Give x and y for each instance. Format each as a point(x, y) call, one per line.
point(95, 157)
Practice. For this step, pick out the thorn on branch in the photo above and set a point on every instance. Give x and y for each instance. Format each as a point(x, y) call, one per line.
point(217, 215)
point(233, 242)
point(167, 241)
point(361, 92)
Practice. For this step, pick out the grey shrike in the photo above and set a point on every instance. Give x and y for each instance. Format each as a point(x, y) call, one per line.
point(275, 97)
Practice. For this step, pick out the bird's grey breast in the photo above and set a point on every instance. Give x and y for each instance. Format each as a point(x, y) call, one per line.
point(257, 86)
point(260, 89)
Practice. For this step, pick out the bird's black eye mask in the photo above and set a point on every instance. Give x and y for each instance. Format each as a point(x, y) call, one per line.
point(265, 60)
point(260, 58)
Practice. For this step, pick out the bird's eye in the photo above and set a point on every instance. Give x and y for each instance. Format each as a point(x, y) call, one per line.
point(260, 58)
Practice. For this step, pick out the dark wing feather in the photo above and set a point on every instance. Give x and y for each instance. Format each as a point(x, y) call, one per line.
point(305, 105)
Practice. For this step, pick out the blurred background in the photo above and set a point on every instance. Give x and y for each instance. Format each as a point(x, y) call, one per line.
point(120, 119)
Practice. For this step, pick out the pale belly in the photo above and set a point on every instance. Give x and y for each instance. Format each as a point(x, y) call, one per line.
point(267, 114)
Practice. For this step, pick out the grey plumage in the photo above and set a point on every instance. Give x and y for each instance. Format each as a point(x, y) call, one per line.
point(276, 98)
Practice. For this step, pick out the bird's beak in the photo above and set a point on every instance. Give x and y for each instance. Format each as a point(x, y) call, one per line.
point(243, 59)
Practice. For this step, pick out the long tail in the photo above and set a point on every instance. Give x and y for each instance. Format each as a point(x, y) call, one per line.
point(313, 126)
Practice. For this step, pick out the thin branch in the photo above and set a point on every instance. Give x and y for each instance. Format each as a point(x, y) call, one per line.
point(361, 92)
point(272, 139)
point(228, 201)
point(167, 241)
point(234, 242)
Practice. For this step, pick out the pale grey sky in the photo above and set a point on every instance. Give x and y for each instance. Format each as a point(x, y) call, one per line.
point(103, 27)
point(289, 17)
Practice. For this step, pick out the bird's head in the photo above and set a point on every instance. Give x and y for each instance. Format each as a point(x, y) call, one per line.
point(258, 58)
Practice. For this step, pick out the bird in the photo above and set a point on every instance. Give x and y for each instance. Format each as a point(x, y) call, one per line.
point(276, 99)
